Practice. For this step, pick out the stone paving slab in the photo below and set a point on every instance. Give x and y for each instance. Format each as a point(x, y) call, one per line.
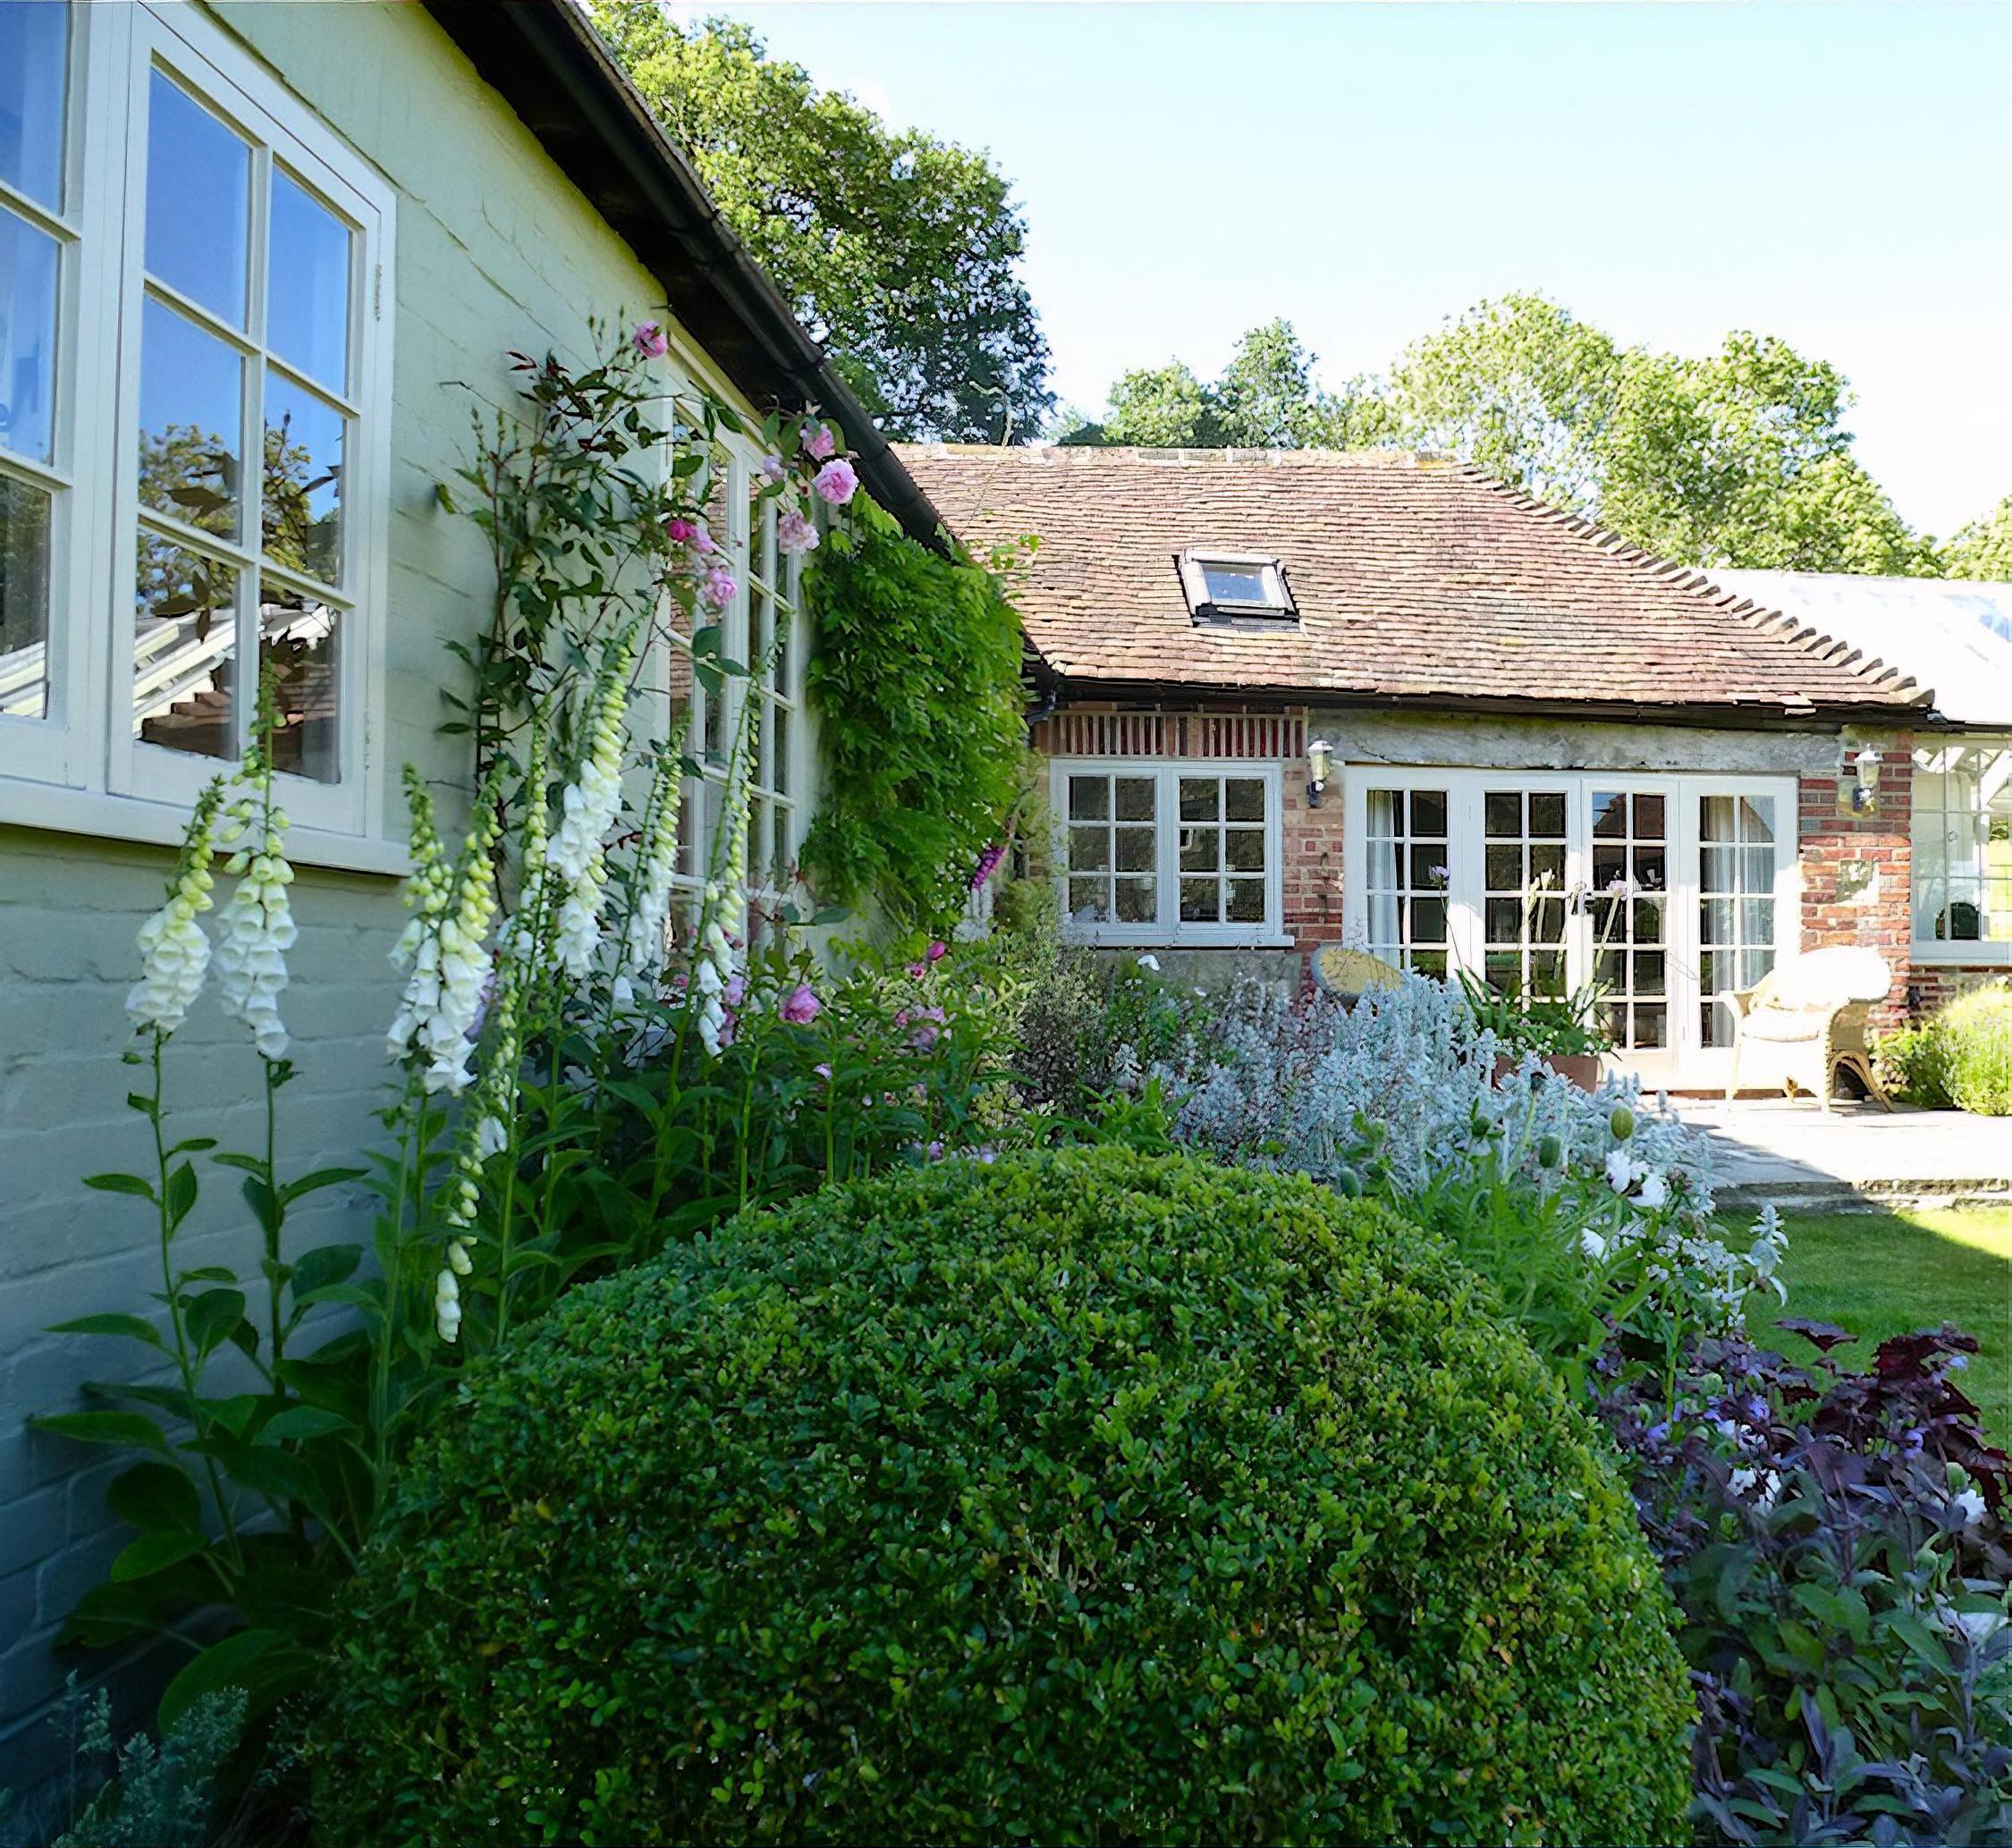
point(1789, 1152)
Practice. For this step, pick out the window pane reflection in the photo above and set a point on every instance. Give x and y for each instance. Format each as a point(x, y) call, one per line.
point(299, 643)
point(301, 514)
point(190, 412)
point(185, 649)
point(29, 258)
point(198, 192)
point(308, 285)
point(24, 600)
point(33, 53)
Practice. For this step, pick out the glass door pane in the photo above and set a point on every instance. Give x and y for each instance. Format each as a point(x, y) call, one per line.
point(1737, 854)
point(1523, 891)
point(1628, 904)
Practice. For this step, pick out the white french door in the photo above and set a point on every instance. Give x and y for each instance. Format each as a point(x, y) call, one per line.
point(1666, 894)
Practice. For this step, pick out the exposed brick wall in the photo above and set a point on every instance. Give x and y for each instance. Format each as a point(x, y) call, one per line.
point(1311, 838)
point(1856, 870)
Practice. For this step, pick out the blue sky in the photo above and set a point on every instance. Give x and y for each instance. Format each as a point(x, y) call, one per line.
point(1836, 174)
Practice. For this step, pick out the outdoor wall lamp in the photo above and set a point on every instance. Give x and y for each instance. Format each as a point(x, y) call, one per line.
point(1865, 790)
point(1320, 760)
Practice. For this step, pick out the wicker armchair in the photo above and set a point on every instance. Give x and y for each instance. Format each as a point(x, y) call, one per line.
point(1807, 1019)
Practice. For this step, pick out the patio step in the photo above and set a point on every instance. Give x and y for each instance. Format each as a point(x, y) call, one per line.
point(1829, 1195)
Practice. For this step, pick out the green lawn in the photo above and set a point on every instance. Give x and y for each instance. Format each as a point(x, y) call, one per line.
point(1888, 1273)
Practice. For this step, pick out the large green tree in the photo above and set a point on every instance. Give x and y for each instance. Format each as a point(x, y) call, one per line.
point(1983, 548)
point(899, 251)
point(1735, 457)
point(1266, 397)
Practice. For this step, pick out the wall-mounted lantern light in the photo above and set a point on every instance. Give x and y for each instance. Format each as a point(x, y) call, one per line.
point(1320, 760)
point(1865, 790)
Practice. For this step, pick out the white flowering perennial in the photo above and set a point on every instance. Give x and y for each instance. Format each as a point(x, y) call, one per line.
point(577, 855)
point(447, 945)
point(173, 951)
point(258, 920)
point(656, 865)
point(725, 911)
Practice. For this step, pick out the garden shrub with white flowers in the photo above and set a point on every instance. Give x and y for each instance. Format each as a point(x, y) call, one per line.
point(1077, 1496)
point(587, 1058)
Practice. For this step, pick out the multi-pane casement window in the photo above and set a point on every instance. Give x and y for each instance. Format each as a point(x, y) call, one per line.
point(1962, 828)
point(194, 445)
point(1168, 853)
point(761, 712)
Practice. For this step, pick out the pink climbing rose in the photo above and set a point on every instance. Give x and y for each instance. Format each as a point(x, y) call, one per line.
point(794, 532)
point(774, 467)
point(835, 482)
point(680, 532)
point(818, 442)
point(719, 586)
point(651, 340)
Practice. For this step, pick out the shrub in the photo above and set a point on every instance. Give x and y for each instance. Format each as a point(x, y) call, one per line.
point(1837, 1543)
point(1960, 1056)
point(1081, 1497)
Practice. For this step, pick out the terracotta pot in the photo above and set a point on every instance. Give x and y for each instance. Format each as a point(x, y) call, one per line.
point(1583, 1069)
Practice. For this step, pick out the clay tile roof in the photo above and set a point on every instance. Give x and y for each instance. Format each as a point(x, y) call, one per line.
point(1416, 577)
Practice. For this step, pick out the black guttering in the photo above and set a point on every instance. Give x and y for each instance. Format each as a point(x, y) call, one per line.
point(546, 59)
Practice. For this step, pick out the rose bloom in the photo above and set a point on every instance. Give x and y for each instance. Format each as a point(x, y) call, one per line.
point(773, 467)
point(651, 340)
point(835, 482)
point(818, 442)
point(799, 1006)
point(680, 532)
point(794, 533)
point(719, 586)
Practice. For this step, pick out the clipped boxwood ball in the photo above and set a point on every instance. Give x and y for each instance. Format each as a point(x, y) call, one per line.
point(1081, 1497)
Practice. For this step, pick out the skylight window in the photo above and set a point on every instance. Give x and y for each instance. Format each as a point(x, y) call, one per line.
point(1234, 584)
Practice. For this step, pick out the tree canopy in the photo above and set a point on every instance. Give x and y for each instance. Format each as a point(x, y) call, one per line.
point(899, 251)
point(1983, 548)
point(1737, 458)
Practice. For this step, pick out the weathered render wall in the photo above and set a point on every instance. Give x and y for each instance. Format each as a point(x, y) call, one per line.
point(494, 250)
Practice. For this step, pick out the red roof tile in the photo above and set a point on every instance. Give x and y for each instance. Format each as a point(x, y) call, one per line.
point(1417, 578)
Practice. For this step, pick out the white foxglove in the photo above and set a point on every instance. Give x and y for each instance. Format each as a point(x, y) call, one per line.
point(577, 855)
point(448, 945)
point(173, 951)
point(725, 913)
point(258, 920)
point(656, 865)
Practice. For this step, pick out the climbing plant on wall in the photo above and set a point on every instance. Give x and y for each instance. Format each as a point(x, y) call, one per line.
point(915, 671)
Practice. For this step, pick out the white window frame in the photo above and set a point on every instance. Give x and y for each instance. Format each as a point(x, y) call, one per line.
point(1276, 605)
point(1166, 931)
point(1982, 952)
point(81, 769)
point(751, 551)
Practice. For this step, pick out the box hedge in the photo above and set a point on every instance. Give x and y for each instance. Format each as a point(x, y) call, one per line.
point(1082, 1498)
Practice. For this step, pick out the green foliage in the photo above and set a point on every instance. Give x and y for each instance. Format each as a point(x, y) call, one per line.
point(1521, 387)
point(1960, 1056)
point(162, 1796)
point(915, 675)
point(1087, 1496)
point(1550, 1025)
point(901, 251)
point(1983, 548)
point(1735, 457)
point(1266, 397)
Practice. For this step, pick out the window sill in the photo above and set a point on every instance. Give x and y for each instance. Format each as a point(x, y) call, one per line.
point(1982, 954)
point(93, 813)
point(1157, 940)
